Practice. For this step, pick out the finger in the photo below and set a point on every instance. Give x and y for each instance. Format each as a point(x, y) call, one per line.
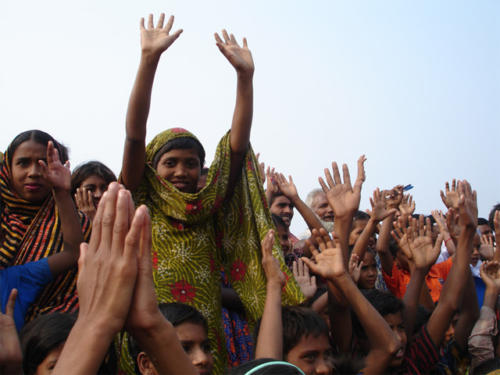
point(245, 43)
point(218, 39)
point(107, 220)
point(233, 39)
point(226, 36)
point(312, 248)
point(146, 240)
point(305, 269)
point(347, 176)
point(159, 24)
point(295, 269)
point(313, 278)
point(428, 227)
point(150, 22)
point(89, 199)
point(170, 23)
point(50, 152)
point(361, 173)
point(336, 173)
point(323, 185)
point(132, 242)
point(142, 23)
point(372, 203)
point(329, 178)
point(267, 243)
point(290, 180)
point(443, 197)
point(454, 185)
point(11, 302)
point(121, 222)
point(311, 264)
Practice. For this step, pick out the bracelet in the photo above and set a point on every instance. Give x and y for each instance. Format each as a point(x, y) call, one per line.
point(447, 240)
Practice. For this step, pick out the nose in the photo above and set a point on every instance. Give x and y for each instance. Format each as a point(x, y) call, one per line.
point(323, 367)
point(200, 358)
point(288, 209)
point(98, 192)
point(180, 171)
point(35, 170)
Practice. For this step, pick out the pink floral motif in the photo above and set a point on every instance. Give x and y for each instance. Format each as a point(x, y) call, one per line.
point(194, 207)
point(182, 291)
point(238, 270)
point(155, 260)
point(286, 280)
point(177, 224)
point(250, 165)
point(178, 130)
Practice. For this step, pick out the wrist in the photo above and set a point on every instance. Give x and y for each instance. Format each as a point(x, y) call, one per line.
point(150, 57)
point(244, 76)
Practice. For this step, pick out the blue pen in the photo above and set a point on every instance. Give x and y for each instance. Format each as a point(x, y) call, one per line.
point(408, 187)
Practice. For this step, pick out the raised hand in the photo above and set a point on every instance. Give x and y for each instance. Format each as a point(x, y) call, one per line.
point(56, 174)
point(329, 263)
point(467, 205)
point(155, 40)
point(262, 169)
point(355, 267)
point(407, 205)
point(272, 185)
point(288, 188)
point(10, 350)
point(490, 273)
point(379, 211)
point(342, 197)
point(394, 196)
point(487, 248)
point(450, 197)
point(440, 221)
point(85, 202)
point(452, 223)
point(306, 282)
point(239, 57)
point(271, 265)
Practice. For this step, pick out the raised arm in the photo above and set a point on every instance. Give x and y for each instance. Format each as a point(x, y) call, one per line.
point(59, 176)
point(270, 339)
point(240, 58)
point(443, 230)
point(154, 41)
point(454, 285)
point(289, 189)
point(329, 264)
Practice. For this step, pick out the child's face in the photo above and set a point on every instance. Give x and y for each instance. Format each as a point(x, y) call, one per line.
point(368, 274)
point(47, 365)
point(313, 355)
point(357, 228)
point(395, 322)
point(181, 167)
point(27, 174)
point(475, 250)
point(194, 340)
point(96, 185)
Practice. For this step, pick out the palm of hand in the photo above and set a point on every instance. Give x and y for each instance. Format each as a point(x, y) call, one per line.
point(451, 199)
point(343, 200)
point(240, 58)
point(406, 209)
point(329, 263)
point(58, 176)
point(272, 270)
point(156, 40)
point(307, 287)
point(379, 211)
point(288, 189)
point(421, 249)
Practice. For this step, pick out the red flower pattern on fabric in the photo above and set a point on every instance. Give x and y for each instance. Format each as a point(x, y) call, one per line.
point(194, 207)
point(178, 130)
point(155, 260)
point(238, 270)
point(182, 291)
point(286, 280)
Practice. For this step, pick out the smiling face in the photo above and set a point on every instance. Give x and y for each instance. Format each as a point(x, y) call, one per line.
point(181, 167)
point(27, 173)
point(282, 207)
point(312, 354)
point(321, 207)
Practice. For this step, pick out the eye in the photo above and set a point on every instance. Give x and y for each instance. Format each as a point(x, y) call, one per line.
point(169, 163)
point(187, 346)
point(309, 357)
point(192, 163)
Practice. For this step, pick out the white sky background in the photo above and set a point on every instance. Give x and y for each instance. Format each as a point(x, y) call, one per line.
point(413, 85)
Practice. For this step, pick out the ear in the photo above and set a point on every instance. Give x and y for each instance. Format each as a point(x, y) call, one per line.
point(145, 365)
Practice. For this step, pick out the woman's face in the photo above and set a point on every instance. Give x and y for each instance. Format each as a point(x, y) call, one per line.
point(48, 364)
point(181, 167)
point(27, 174)
point(96, 185)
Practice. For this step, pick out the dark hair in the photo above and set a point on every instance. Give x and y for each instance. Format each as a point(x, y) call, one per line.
point(40, 137)
point(91, 168)
point(175, 313)
point(482, 221)
point(298, 321)
point(204, 171)
point(47, 332)
point(274, 369)
point(360, 215)
point(182, 143)
point(491, 216)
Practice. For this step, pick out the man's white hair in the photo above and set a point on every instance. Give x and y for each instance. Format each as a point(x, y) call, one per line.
point(312, 194)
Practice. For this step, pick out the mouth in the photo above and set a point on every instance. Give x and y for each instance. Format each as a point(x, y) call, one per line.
point(400, 353)
point(327, 218)
point(203, 372)
point(33, 187)
point(181, 185)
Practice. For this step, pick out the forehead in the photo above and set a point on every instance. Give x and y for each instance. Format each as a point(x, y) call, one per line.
point(180, 153)
point(369, 258)
point(281, 201)
point(309, 343)
point(191, 332)
point(94, 180)
point(395, 319)
point(30, 149)
point(359, 224)
point(319, 199)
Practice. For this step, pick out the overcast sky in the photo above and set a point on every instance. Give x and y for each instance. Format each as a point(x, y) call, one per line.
point(413, 85)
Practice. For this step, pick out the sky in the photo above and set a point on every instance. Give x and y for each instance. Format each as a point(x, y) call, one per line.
point(413, 85)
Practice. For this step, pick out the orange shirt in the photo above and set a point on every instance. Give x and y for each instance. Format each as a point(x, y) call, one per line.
point(435, 279)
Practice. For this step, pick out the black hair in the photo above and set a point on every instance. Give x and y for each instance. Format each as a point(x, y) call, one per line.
point(491, 216)
point(46, 333)
point(176, 313)
point(91, 168)
point(360, 215)
point(40, 137)
point(487, 367)
point(482, 221)
point(298, 321)
point(182, 143)
point(274, 369)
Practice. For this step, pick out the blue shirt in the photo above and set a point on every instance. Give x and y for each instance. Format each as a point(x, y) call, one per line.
point(29, 279)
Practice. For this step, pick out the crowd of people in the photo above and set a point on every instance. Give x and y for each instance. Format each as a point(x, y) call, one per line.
point(178, 268)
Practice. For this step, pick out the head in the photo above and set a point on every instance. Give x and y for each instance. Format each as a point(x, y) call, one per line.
point(317, 201)
point(191, 330)
point(391, 309)
point(359, 222)
point(266, 366)
point(283, 233)
point(92, 176)
point(368, 274)
point(476, 255)
point(23, 158)
point(484, 226)
point(282, 207)
point(42, 341)
point(491, 216)
point(178, 157)
point(306, 340)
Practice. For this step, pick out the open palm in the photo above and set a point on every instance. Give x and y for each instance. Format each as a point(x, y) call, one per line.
point(156, 40)
point(239, 57)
